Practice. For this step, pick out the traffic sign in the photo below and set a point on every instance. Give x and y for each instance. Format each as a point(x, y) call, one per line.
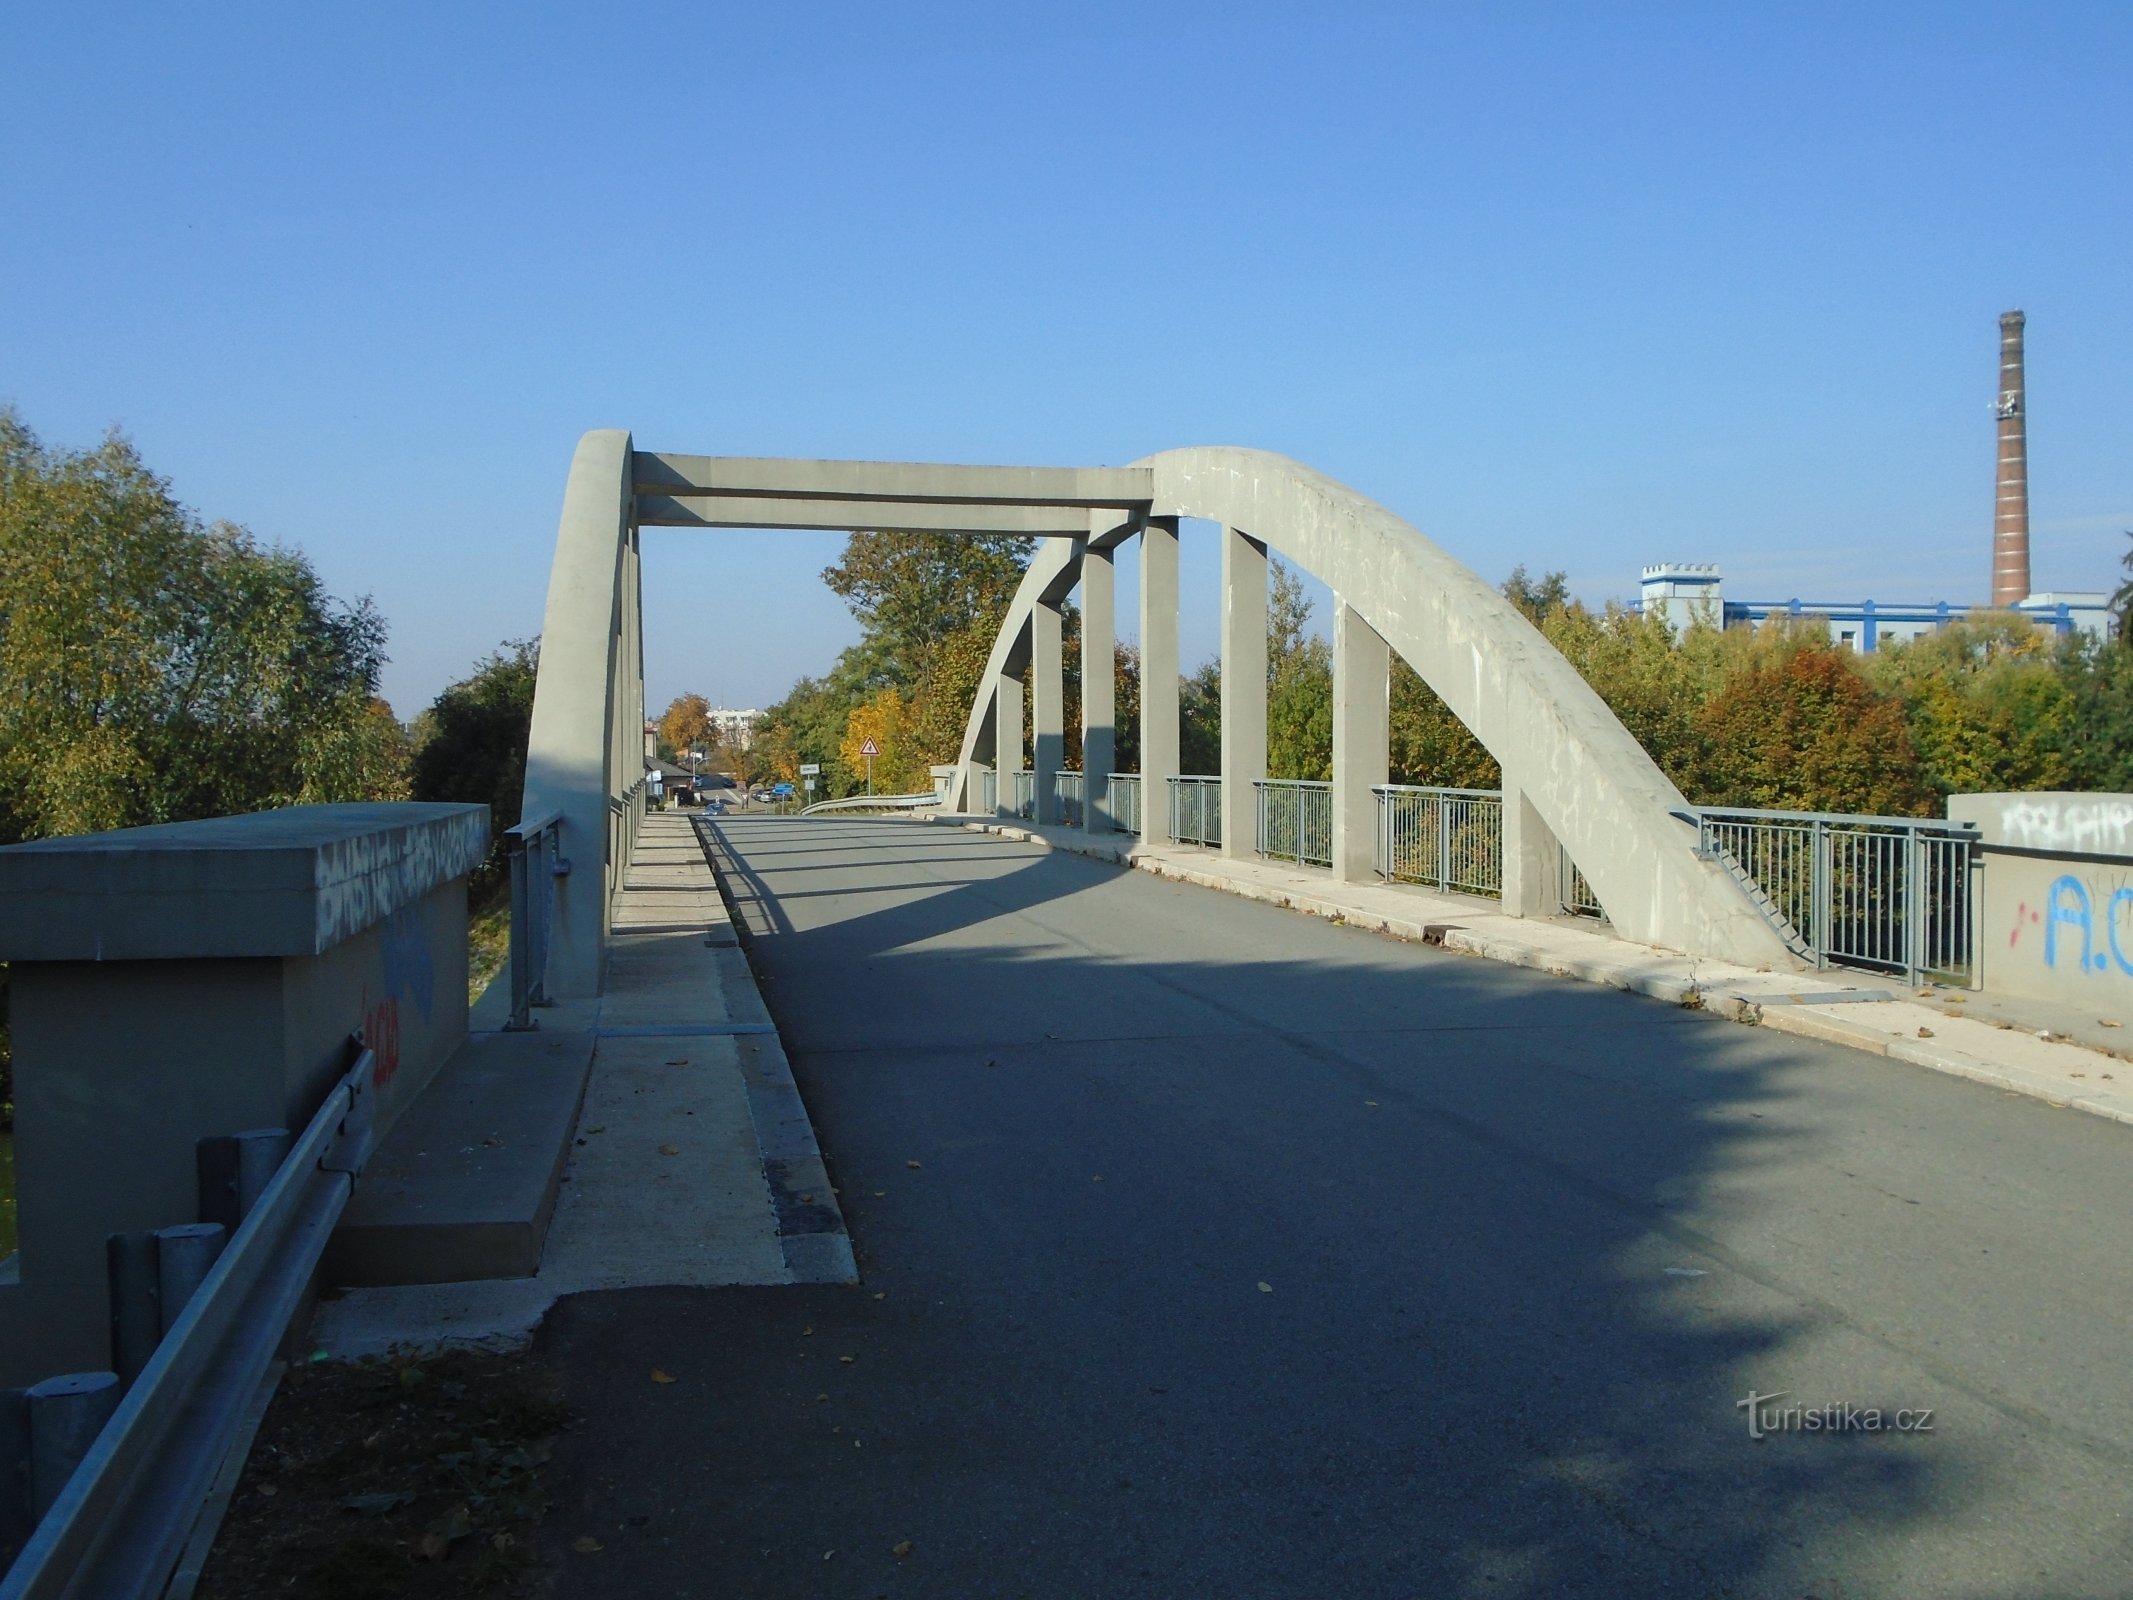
point(810, 769)
point(870, 748)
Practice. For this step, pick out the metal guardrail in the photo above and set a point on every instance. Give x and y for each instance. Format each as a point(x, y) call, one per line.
point(873, 802)
point(1196, 810)
point(1295, 819)
point(119, 1527)
point(1452, 838)
point(1124, 792)
point(1025, 794)
point(1890, 894)
point(989, 791)
point(1577, 896)
point(534, 850)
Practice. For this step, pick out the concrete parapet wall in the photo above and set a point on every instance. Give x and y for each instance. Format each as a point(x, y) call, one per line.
point(2054, 904)
point(255, 948)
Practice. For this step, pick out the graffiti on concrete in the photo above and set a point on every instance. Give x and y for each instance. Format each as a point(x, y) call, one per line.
point(2085, 927)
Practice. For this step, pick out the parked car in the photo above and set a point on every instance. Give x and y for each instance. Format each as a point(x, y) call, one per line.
point(781, 791)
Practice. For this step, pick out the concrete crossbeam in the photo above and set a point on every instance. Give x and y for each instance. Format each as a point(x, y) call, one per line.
point(662, 473)
point(884, 516)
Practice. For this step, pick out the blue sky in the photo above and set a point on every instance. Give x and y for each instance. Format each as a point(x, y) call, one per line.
point(1573, 286)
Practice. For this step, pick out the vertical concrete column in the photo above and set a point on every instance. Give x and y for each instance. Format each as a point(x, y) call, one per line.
point(1099, 703)
point(1532, 859)
point(1243, 690)
point(1047, 687)
point(1159, 674)
point(1362, 741)
point(1007, 741)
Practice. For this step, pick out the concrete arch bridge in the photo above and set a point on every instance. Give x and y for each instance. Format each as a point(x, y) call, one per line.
point(1576, 785)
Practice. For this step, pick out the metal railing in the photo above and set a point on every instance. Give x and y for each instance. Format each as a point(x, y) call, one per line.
point(119, 1526)
point(1196, 810)
point(989, 792)
point(1891, 894)
point(1577, 896)
point(873, 802)
point(1124, 790)
point(1295, 817)
point(1452, 838)
point(1026, 794)
point(534, 850)
point(1067, 798)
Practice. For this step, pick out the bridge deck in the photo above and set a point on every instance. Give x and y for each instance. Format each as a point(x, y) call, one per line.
point(1223, 1250)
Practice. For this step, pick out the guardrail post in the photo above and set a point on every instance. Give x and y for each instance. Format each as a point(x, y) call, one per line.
point(15, 1519)
point(66, 1415)
point(136, 1302)
point(184, 1257)
point(521, 936)
point(1444, 843)
point(235, 1169)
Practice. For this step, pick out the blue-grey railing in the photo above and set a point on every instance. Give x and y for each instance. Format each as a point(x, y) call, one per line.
point(1196, 810)
point(1295, 819)
point(1890, 894)
point(1450, 838)
point(534, 852)
point(1124, 790)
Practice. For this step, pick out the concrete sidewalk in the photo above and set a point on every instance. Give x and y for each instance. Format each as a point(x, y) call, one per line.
point(691, 1160)
point(2071, 1059)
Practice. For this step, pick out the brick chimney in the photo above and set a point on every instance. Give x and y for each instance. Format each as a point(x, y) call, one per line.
point(2010, 518)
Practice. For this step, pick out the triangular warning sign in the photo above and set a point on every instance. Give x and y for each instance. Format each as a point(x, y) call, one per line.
point(870, 748)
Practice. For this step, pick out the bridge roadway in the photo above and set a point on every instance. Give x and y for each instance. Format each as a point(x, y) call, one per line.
point(1209, 1249)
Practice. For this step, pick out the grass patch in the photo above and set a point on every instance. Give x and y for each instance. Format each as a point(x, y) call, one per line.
point(488, 937)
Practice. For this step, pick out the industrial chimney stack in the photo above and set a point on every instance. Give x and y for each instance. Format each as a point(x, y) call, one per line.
point(2010, 519)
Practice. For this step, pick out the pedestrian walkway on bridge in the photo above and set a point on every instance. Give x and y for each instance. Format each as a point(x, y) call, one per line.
point(686, 1161)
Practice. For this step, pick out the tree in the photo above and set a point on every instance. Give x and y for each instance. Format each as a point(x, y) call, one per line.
point(156, 669)
point(1810, 734)
point(2122, 596)
point(1539, 598)
point(686, 725)
point(470, 745)
point(1299, 674)
point(885, 719)
point(912, 590)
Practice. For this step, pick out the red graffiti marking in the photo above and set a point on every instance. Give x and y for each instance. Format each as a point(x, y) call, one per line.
point(2022, 914)
point(381, 1032)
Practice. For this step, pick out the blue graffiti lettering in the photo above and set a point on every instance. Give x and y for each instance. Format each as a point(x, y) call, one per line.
point(2076, 915)
point(2110, 929)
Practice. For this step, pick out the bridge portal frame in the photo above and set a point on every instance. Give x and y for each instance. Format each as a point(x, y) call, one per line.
point(1574, 779)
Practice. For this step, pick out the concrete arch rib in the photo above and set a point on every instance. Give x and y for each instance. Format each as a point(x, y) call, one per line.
point(1049, 579)
point(1592, 785)
point(584, 751)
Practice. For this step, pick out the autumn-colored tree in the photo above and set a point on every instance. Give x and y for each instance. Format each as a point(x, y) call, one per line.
point(1810, 734)
point(885, 720)
point(686, 725)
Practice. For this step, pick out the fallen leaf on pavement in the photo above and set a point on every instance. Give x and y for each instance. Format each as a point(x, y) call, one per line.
point(913, 1165)
point(847, 1360)
point(900, 1549)
point(1266, 1288)
point(670, 1149)
point(587, 1545)
point(1925, 1033)
point(661, 1375)
point(601, 1129)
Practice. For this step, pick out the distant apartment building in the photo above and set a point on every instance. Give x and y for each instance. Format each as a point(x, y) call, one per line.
point(736, 729)
point(1687, 592)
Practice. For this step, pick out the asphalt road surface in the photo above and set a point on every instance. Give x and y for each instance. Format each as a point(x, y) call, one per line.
point(1210, 1249)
